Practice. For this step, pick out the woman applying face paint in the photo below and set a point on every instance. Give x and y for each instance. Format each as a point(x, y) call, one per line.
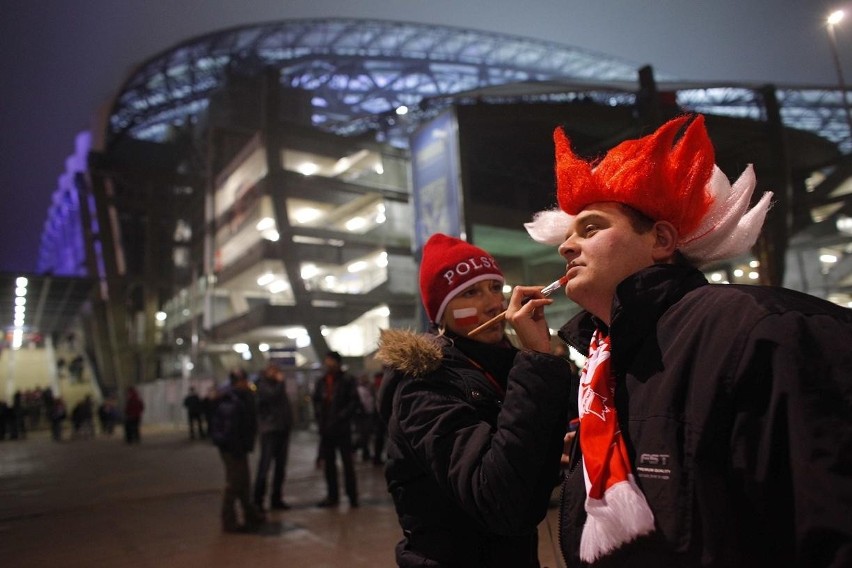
point(475, 425)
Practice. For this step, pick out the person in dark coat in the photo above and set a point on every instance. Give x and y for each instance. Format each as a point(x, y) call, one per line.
point(194, 414)
point(58, 414)
point(336, 401)
point(715, 420)
point(233, 429)
point(133, 409)
point(475, 426)
point(275, 421)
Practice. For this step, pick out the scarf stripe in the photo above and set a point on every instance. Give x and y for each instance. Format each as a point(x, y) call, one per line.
point(616, 509)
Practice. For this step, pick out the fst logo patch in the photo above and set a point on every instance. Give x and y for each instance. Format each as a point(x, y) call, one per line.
point(654, 466)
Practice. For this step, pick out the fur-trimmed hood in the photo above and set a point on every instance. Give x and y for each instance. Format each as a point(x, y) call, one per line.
point(406, 354)
point(409, 352)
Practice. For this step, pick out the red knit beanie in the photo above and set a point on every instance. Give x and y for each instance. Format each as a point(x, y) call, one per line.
point(450, 265)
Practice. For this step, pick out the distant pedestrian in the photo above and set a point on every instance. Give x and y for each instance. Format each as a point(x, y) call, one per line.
point(18, 426)
point(208, 405)
point(335, 403)
point(194, 413)
point(57, 415)
point(232, 428)
point(107, 416)
point(4, 418)
point(275, 421)
point(365, 417)
point(82, 416)
point(133, 409)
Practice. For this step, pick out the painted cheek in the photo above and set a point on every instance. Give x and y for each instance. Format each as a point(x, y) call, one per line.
point(466, 316)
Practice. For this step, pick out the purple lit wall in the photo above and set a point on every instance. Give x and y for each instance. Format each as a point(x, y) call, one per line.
point(62, 251)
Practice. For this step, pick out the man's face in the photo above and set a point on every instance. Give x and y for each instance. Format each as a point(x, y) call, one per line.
point(331, 364)
point(602, 249)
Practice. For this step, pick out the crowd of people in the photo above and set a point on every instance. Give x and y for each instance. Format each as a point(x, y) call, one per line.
point(246, 414)
point(31, 410)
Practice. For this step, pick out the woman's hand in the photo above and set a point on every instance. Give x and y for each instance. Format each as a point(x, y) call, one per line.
point(526, 315)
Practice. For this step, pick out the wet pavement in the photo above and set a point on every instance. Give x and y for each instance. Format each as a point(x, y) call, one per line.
point(100, 502)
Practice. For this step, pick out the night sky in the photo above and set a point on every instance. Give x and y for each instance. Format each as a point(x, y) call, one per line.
point(63, 60)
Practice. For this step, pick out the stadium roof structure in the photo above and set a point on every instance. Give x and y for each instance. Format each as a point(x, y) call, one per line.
point(359, 72)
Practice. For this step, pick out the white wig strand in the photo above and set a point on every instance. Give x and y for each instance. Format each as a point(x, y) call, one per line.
point(729, 229)
point(550, 227)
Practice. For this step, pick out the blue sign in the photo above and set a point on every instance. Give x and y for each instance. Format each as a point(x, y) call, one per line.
point(436, 180)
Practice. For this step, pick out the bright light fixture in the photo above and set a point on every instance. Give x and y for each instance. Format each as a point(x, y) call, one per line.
point(265, 279)
point(828, 258)
point(307, 168)
point(265, 224)
point(356, 224)
point(161, 316)
point(295, 332)
point(309, 270)
point(357, 266)
point(306, 214)
point(240, 347)
point(835, 17)
point(278, 286)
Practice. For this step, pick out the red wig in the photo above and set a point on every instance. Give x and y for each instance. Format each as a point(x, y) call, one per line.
point(664, 179)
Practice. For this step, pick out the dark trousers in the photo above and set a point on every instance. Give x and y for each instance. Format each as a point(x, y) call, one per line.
point(364, 424)
point(56, 429)
point(274, 448)
point(237, 489)
point(329, 445)
point(131, 430)
point(196, 425)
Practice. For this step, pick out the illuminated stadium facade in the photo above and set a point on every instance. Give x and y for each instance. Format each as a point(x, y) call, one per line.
point(213, 246)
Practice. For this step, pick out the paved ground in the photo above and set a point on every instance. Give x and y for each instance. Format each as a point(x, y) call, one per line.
point(99, 502)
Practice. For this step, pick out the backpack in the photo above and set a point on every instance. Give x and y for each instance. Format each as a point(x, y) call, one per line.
point(226, 422)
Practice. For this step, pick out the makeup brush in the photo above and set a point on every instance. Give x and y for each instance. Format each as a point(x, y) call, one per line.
point(546, 291)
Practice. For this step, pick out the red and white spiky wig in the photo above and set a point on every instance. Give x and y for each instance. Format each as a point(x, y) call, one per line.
point(665, 179)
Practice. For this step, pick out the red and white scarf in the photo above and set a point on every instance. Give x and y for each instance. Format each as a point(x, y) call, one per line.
point(617, 511)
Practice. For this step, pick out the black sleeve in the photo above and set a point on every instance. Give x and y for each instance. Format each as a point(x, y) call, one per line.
point(792, 437)
point(500, 476)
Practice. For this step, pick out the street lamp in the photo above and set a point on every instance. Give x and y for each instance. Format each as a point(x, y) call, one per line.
point(833, 19)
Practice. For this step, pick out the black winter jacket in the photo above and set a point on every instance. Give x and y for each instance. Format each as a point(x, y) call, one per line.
point(233, 427)
point(274, 413)
point(736, 404)
point(335, 420)
point(470, 469)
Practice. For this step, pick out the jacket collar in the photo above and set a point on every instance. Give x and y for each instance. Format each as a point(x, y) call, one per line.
point(640, 301)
